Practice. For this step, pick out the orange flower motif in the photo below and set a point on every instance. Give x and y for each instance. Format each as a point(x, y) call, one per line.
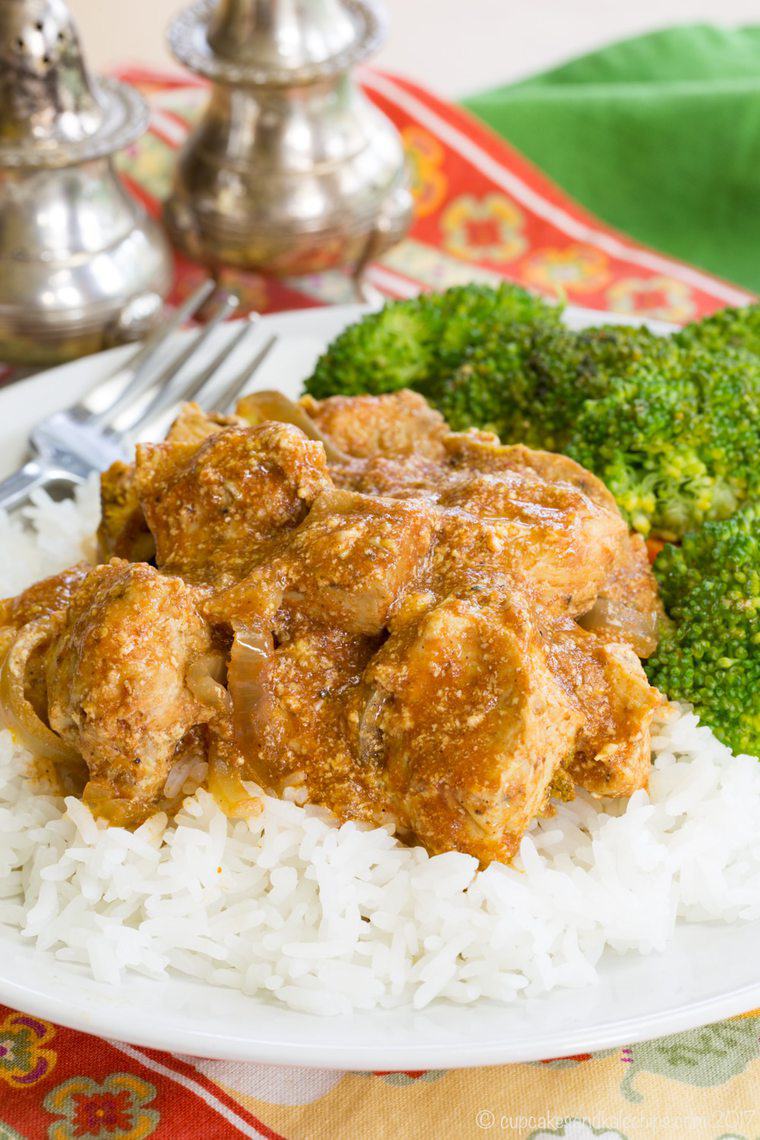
point(429, 183)
point(483, 229)
point(24, 1058)
point(575, 269)
point(662, 298)
point(116, 1108)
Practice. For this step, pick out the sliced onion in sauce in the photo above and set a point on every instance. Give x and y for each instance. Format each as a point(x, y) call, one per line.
point(104, 804)
point(246, 680)
point(371, 744)
point(639, 629)
point(225, 784)
point(16, 712)
point(204, 680)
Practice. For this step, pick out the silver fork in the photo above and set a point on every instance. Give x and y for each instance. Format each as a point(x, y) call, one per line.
point(68, 446)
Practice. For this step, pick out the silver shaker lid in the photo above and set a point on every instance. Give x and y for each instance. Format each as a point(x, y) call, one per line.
point(271, 43)
point(52, 111)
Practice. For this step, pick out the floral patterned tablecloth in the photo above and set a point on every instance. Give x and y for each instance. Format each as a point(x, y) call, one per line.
point(483, 213)
point(701, 1085)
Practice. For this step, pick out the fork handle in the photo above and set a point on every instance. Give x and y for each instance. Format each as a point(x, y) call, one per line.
point(20, 485)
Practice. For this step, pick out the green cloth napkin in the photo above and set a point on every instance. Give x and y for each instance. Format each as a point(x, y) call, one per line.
point(658, 136)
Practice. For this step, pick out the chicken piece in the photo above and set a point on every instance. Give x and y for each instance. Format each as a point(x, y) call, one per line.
point(547, 534)
point(293, 734)
point(123, 531)
point(506, 516)
point(415, 477)
point(398, 424)
point(211, 508)
point(351, 560)
point(348, 564)
point(607, 685)
point(628, 607)
point(117, 682)
point(482, 451)
point(564, 530)
point(462, 713)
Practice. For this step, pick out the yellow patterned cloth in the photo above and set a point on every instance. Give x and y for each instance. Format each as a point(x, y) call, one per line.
point(703, 1085)
point(700, 1085)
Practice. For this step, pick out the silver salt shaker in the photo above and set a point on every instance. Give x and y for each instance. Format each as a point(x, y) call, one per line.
point(82, 266)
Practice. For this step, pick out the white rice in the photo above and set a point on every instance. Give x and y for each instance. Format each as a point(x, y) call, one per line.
point(325, 918)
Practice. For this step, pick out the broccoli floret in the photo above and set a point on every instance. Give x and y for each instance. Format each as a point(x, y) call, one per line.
point(478, 315)
point(570, 368)
point(709, 654)
point(727, 329)
point(676, 446)
point(408, 344)
point(387, 350)
point(529, 381)
point(492, 385)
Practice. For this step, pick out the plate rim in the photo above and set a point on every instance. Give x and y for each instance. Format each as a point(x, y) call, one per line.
point(370, 1057)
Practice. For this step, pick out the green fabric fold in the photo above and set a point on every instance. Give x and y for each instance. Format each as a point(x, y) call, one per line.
point(658, 136)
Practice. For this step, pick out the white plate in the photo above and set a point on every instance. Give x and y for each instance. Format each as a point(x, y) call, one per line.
point(710, 972)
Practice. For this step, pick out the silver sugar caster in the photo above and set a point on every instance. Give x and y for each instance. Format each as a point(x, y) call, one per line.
point(291, 169)
point(82, 266)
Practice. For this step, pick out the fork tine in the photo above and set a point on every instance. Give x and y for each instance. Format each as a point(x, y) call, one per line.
point(174, 393)
point(172, 368)
point(191, 304)
point(203, 384)
point(139, 367)
point(224, 400)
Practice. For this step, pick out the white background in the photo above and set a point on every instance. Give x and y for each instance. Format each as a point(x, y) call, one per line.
point(454, 46)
